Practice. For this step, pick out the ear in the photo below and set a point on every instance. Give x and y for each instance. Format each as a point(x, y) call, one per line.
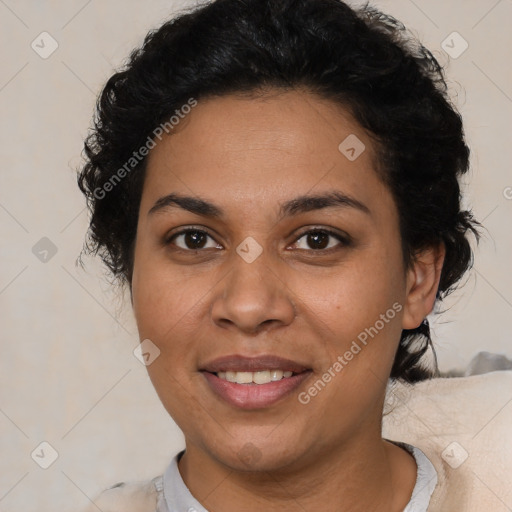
point(422, 285)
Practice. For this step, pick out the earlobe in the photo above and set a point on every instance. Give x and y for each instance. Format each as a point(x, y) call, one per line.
point(422, 285)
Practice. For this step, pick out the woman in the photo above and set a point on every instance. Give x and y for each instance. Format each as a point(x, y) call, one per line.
point(277, 184)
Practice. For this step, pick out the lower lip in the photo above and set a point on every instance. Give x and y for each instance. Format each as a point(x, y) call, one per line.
point(254, 396)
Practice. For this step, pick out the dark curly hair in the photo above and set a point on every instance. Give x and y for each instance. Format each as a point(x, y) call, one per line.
point(362, 59)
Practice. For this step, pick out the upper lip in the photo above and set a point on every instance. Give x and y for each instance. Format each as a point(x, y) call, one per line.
point(238, 363)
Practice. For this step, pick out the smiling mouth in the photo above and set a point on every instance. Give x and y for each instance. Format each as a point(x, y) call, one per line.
point(254, 382)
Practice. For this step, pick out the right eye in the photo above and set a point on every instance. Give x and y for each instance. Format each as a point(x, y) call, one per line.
point(191, 240)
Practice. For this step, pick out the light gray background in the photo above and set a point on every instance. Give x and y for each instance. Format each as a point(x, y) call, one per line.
point(68, 375)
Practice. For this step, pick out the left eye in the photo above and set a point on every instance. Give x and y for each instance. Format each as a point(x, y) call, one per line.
point(318, 239)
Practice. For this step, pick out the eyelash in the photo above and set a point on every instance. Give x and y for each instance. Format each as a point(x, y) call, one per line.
point(345, 240)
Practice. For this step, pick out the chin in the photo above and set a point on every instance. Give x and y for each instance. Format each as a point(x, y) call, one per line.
point(258, 454)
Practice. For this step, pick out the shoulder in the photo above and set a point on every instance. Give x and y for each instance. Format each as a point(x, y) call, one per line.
point(463, 404)
point(462, 425)
point(128, 497)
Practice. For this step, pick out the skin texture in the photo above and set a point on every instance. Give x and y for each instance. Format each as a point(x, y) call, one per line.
point(297, 301)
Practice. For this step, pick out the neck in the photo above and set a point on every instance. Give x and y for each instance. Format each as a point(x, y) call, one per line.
point(361, 475)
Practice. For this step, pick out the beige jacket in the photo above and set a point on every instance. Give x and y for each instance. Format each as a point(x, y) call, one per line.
point(463, 425)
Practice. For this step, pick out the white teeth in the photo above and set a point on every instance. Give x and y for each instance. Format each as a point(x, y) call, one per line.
point(261, 377)
point(276, 375)
point(243, 377)
point(231, 376)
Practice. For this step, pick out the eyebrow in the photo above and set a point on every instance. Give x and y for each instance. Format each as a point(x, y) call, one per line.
point(301, 204)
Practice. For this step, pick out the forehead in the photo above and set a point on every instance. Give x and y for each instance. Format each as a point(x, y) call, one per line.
point(239, 147)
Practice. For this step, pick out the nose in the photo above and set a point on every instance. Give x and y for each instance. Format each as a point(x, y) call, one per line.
point(252, 297)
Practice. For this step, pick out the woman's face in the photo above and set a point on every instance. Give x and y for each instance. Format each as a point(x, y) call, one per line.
point(292, 263)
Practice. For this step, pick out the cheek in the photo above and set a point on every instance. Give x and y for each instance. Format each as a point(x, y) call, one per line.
point(163, 298)
point(354, 297)
point(362, 307)
point(164, 304)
